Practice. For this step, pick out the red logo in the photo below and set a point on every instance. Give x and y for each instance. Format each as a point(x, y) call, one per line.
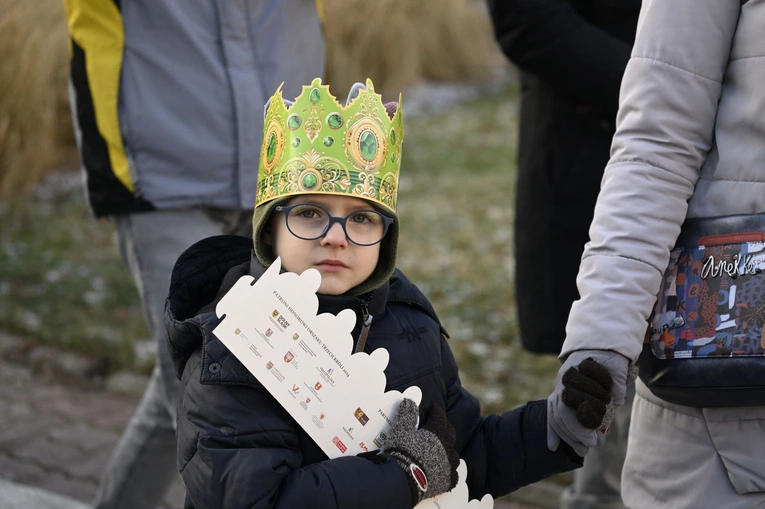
point(364, 446)
point(419, 477)
point(340, 445)
point(321, 417)
point(289, 356)
point(307, 400)
point(317, 386)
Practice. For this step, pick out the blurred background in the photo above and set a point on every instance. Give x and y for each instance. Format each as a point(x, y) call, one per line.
point(460, 98)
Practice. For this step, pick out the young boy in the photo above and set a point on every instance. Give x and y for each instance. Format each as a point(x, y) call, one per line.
point(327, 189)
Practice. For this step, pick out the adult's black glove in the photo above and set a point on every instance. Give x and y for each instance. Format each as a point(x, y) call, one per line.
point(427, 455)
point(591, 385)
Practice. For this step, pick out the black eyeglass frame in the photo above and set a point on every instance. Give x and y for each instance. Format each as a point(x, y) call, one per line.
point(286, 209)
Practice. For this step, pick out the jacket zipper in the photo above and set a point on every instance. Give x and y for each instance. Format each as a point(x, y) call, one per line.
point(366, 319)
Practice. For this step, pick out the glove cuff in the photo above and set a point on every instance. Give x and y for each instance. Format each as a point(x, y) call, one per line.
point(600, 355)
point(415, 475)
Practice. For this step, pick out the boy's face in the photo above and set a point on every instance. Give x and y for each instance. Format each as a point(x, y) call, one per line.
point(341, 263)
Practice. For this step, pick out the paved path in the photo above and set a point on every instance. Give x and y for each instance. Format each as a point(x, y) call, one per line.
point(59, 436)
point(56, 437)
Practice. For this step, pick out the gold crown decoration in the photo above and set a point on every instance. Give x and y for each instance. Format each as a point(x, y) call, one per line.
point(316, 145)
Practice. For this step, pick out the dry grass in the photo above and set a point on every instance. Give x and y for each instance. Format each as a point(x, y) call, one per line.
point(35, 124)
point(399, 43)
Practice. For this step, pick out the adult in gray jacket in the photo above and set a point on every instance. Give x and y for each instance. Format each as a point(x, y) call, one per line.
point(167, 99)
point(688, 144)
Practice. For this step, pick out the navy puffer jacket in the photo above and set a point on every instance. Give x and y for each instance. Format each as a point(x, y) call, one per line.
point(237, 447)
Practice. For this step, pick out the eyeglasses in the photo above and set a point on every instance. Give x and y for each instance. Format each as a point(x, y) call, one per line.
point(310, 222)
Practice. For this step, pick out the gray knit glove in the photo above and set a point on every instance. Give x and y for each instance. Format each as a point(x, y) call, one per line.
point(591, 385)
point(427, 454)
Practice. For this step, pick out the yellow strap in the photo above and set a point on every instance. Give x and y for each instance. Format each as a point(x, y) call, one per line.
point(96, 26)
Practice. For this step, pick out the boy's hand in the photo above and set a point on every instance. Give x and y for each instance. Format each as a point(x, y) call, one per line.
point(591, 385)
point(427, 455)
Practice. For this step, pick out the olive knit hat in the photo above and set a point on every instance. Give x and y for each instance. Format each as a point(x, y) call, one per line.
point(315, 145)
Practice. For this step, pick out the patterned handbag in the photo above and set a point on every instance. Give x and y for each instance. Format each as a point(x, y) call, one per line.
point(705, 345)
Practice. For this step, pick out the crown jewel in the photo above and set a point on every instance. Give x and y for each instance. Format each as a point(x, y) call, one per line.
point(316, 145)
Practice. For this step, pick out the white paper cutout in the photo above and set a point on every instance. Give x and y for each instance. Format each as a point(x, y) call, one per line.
point(306, 362)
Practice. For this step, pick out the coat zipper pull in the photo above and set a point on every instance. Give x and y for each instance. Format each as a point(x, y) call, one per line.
point(367, 320)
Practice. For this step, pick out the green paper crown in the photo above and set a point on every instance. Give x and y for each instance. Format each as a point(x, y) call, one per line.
point(316, 145)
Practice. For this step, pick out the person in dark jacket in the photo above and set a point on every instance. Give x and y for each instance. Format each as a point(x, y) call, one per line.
point(237, 446)
point(571, 55)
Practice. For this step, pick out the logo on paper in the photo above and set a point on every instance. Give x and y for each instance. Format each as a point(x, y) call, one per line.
point(269, 365)
point(295, 389)
point(326, 374)
point(275, 313)
point(339, 443)
point(269, 332)
point(307, 400)
point(361, 416)
point(304, 404)
point(317, 386)
point(289, 356)
point(349, 432)
point(238, 331)
point(283, 322)
point(364, 446)
point(296, 336)
point(379, 440)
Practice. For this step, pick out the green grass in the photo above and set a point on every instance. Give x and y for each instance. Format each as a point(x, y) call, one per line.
point(62, 283)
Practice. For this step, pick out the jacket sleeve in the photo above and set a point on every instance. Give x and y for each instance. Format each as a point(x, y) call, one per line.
point(549, 39)
point(665, 129)
point(238, 448)
point(502, 452)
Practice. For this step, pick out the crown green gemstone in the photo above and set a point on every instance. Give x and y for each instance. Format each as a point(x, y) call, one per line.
point(393, 136)
point(334, 120)
point(271, 148)
point(296, 142)
point(368, 145)
point(329, 141)
point(393, 157)
point(310, 181)
point(293, 122)
point(315, 95)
